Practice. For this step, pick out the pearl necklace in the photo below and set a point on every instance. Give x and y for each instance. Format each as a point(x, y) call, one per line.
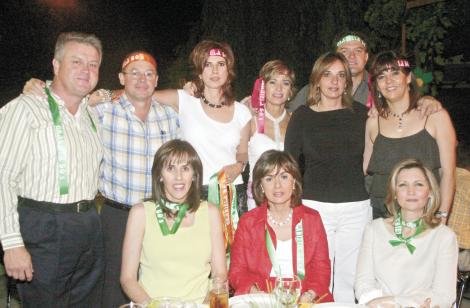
point(212, 105)
point(280, 223)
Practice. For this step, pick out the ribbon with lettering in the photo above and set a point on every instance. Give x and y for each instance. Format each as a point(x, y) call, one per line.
point(181, 208)
point(224, 195)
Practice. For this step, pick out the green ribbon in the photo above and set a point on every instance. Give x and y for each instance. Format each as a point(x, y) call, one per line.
point(181, 208)
point(398, 228)
point(60, 144)
point(299, 238)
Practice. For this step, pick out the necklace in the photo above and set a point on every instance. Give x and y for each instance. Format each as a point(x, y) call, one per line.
point(399, 117)
point(212, 105)
point(280, 223)
point(277, 128)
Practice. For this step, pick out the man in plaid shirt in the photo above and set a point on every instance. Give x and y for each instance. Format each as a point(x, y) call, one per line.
point(132, 130)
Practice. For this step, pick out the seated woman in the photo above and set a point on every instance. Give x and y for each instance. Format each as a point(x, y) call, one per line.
point(409, 259)
point(281, 218)
point(173, 242)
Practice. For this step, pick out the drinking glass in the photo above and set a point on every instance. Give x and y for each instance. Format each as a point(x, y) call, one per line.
point(287, 291)
point(218, 295)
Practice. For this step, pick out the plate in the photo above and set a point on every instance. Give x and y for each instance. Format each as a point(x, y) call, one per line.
point(252, 300)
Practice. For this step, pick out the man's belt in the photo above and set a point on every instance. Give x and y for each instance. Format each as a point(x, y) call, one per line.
point(116, 205)
point(75, 207)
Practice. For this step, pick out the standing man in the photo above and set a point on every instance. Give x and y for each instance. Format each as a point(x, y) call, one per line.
point(353, 46)
point(132, 130)
point(49, 167)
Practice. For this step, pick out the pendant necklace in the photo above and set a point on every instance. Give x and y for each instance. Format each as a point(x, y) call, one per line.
point(399, 117)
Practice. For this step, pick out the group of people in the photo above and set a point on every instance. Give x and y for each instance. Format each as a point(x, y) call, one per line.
point(173, 208)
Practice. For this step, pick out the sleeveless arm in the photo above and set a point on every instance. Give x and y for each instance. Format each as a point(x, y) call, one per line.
point(132, 247)
point(447, 142)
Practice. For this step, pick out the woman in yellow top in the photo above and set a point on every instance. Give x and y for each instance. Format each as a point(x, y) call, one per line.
point(175, 241)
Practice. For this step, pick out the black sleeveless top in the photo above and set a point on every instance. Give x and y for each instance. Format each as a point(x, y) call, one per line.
point(387, 152)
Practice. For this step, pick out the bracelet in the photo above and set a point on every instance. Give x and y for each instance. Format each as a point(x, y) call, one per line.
point(442, 214)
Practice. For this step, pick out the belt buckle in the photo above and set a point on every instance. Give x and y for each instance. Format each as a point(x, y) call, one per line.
point(79, 204)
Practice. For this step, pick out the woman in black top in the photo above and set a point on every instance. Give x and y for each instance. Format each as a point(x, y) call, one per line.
point(327, 138)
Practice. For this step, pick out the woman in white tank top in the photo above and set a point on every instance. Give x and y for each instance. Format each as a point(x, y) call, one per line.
point(272, 90)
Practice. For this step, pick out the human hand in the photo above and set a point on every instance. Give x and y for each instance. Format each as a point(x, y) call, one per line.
point(307, 297)
point(190, 88)
point(254, 289)
point(100, 96)
point(373, 112)
point(18, 264)
point(428, 105)
point(426, 304)
point(34, 87)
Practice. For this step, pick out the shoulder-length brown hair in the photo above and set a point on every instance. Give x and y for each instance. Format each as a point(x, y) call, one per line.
point(322, 64)
point(176, 151)
point(278, 67)
point(276, 160)
point(198, 58)
point(429, 215)
point(384, 61)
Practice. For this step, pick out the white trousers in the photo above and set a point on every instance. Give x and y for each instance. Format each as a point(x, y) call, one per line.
point(344, 224)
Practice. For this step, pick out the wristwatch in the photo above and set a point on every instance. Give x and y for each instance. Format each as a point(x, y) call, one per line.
point(442, 214)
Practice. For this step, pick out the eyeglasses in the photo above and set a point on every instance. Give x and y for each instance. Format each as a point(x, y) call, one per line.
point(136, 75)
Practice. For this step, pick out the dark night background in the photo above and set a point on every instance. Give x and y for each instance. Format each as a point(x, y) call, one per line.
point(296, 31)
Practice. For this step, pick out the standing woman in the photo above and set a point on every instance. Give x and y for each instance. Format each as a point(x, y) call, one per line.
point(212, 121)
point(174, 241)
point(327, 137)
point(400, 133)
point(268, 127)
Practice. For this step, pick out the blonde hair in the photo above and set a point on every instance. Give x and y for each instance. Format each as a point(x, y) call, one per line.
point(78, 37)
point(278, 67)
point(429, 215)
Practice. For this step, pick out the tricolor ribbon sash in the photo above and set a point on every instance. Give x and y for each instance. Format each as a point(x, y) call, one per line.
point(224, 195)
point(299, 238)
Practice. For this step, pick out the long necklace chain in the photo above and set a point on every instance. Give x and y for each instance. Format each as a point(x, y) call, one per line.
point(205, 101)
point(280, 223)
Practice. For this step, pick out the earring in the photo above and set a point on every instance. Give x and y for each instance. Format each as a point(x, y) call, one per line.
point(262, 189)
point(293, 186)
point(379, 95)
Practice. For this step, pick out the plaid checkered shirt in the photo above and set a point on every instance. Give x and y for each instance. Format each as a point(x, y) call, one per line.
point(129, 148)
